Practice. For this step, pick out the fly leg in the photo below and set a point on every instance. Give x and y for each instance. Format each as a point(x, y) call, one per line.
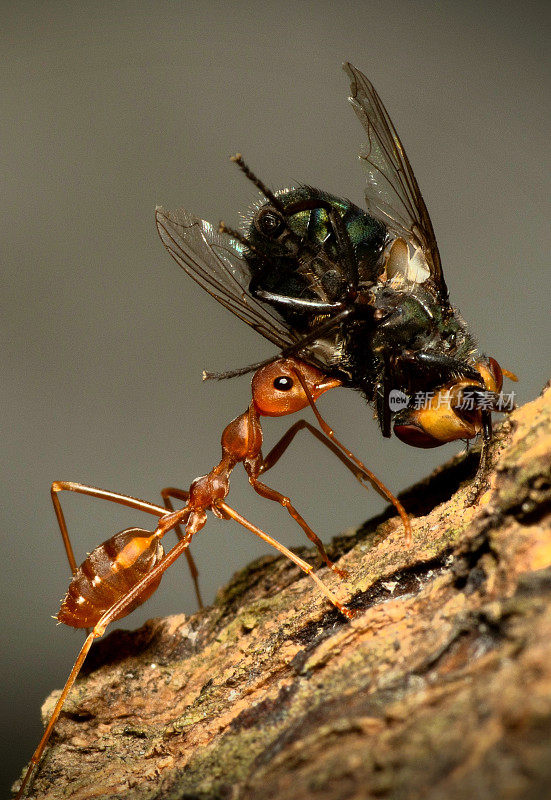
point(479, 479)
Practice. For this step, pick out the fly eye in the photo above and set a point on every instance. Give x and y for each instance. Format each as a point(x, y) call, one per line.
point(269, 222)
point(283, 383)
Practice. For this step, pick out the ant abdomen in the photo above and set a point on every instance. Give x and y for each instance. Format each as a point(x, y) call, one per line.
point(107, 574)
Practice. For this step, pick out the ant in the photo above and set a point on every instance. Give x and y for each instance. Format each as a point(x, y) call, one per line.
point(124, 571)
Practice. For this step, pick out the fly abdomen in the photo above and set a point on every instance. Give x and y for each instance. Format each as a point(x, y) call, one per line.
point(107, 575)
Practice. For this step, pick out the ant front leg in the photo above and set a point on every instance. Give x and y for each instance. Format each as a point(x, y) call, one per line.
point(181, 494)
point(281, 446)
point(355, 466)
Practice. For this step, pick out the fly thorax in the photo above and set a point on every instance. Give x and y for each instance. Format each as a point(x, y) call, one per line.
point(327, 352)
point(401, 320)
point(454, 338)
point(332, 284)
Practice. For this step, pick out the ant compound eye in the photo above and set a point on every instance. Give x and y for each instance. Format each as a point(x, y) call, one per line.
point(269, 222)
point(283, 383)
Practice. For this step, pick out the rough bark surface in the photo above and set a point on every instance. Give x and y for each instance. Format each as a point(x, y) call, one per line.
point(440, 688)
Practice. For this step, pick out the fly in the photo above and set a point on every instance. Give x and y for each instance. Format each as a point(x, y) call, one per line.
point(359, 294)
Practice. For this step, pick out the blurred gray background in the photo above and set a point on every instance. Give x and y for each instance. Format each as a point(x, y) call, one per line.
point(111, 108)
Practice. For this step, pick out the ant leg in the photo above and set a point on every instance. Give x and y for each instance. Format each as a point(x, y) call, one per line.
point(378, 485)
point(117, 610)
point(292, 350)
point(304, 566)
point(273, 494)
point(360, 473)
point(57, 710)
point(281, 446)
point(181, 494)
point(101, 494)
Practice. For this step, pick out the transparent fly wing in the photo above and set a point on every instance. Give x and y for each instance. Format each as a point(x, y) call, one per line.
point(215, 261)
point(392, 191)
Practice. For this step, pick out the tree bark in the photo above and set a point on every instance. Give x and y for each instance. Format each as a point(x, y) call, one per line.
point(440, 688)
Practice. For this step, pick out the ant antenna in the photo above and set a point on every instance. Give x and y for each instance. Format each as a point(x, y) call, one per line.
point(268, 194)
point(236, 373)
point(292, 349)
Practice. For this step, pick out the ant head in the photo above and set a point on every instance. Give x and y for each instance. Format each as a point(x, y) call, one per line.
point(277, 389)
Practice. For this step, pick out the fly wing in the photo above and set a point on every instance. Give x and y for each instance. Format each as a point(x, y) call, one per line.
point(392, 191)
point(215, 261)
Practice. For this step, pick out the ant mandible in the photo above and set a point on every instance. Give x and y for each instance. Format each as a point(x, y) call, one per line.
point(124, 571)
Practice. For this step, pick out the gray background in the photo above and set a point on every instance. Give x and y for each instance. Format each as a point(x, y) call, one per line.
point(111, 108)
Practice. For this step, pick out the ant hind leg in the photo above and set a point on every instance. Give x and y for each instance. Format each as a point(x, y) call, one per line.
point(182, 494)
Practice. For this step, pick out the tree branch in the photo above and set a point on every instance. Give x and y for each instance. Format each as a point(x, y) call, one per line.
point(440, 688)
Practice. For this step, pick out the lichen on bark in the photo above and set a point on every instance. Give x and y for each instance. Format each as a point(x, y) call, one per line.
point(439, 688)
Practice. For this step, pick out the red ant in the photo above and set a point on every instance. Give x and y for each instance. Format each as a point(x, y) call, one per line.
point(124, 571)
